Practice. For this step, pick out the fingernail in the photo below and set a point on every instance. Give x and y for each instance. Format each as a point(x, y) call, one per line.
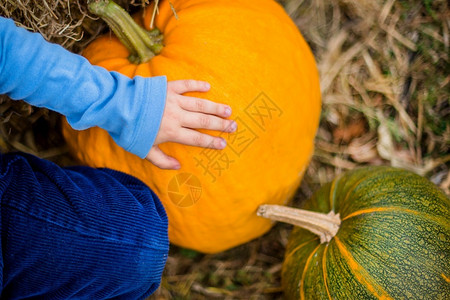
point(227, 111)
point(177, 167)
point(207, 85)
point(223, 143)
point(233, 126)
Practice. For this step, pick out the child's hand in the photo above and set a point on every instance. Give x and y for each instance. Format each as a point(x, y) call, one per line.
point(182, 115)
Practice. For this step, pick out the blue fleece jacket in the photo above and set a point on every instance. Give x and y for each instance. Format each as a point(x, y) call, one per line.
point(47, 75)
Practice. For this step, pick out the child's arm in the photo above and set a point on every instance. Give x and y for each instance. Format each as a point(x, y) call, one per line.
point(133, 111)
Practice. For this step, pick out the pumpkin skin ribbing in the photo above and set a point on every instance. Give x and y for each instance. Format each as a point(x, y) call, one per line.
point(393, 242)
point(244, 49)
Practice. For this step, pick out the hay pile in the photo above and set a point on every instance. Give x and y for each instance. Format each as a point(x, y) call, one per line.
point(385, 81)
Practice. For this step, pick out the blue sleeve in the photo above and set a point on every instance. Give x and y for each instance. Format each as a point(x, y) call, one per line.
point(46, 75)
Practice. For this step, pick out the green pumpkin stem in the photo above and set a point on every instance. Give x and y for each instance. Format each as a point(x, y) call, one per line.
point(324, 225)
point(142, 44)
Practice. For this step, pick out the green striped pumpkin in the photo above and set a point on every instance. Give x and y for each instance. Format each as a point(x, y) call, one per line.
point(393, 241)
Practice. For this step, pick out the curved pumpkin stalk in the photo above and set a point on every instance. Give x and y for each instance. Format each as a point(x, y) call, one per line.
point(141, 43)
point(325, 226)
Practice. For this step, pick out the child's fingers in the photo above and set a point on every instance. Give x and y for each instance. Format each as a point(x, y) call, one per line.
point(205, 106)
point(161, 160)
point(203, 121)
point(190, 85)
point(194, 138)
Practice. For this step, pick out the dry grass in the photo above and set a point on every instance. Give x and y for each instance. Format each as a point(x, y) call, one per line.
point(385, 81)
point(384, 69)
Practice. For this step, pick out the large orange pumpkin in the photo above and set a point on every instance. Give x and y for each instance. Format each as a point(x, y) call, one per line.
point(257, 62)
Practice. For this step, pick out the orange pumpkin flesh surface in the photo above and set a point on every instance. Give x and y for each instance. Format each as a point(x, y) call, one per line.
point(257, 62)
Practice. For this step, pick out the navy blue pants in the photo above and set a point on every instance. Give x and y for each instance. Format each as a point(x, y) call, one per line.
point(77, 233)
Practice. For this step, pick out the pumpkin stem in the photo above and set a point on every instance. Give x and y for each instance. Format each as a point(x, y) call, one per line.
point(324, 225)
point(142, 44)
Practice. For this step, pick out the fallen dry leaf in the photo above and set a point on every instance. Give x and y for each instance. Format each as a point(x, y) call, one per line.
point(344, 134)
